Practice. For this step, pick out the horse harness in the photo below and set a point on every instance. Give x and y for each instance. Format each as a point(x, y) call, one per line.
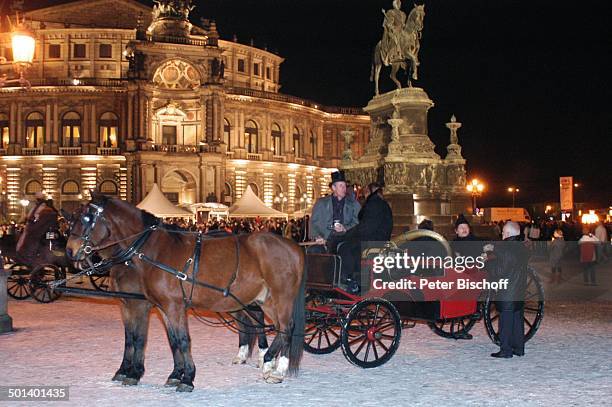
point(88, 247)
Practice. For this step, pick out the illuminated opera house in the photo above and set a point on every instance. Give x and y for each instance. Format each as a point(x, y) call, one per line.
point(122, 96)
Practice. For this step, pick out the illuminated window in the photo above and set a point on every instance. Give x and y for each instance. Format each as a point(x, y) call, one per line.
point(70, 188)
point(297, 142)
point(108, 188)
point(169, 135)
point(241, 65)
point(277, 139)
point(4, 130)
point(109, 130)
point(35, 130)
point(33, 187)
point(250, 137)
point(71, 130)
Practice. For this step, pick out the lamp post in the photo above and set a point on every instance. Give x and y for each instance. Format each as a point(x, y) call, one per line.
point(24, 204)
point(282, 200)
point(475, 187)
point(305, 201)
point(23, 44)
point(514, 191)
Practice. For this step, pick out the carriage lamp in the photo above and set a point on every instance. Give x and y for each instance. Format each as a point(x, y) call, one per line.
point(475, 187)
point(23, 44)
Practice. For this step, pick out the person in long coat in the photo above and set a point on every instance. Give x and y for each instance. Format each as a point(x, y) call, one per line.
point(375, 225)
point(556, 249)
point(510, 259)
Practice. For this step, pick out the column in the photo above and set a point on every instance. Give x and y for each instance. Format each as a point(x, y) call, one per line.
point(20, 137)
point(85, 128)
point(12, 128)
point(55, 130)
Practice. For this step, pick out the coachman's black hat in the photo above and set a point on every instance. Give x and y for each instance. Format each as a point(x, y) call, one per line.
point(337, 176)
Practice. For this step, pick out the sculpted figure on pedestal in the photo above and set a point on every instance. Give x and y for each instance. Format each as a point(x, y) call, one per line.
point(399, 46)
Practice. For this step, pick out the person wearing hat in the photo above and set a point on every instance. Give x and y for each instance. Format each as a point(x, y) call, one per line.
point(334, 214)
point(556, 250)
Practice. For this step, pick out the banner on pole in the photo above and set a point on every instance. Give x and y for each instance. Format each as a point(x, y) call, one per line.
point(566, 185)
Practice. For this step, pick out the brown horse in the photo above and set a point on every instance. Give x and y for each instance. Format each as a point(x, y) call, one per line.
point(260, 268)
point(34, 249)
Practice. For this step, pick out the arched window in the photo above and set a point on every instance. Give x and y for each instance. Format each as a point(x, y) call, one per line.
point(109, 130)
point(250, 137)
point(70, 187)
point(108, 188)
point(4, 130)
point(227, 137)
point(297, 144)
point(277, 140)
point(33, 187)
point(71, 130)
point(35, 130)
point(313, 145)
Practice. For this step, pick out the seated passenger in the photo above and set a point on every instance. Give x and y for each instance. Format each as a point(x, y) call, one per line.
point(375, 224)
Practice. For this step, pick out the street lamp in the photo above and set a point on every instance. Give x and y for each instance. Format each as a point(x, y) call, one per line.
point(513, 190)
point(305, 201)
point(475, 188)
point(24, 204)
point(23, 44)
point(282, 200)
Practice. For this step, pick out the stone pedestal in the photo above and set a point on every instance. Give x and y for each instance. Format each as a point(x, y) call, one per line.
point(418, 183)
point(6, 322)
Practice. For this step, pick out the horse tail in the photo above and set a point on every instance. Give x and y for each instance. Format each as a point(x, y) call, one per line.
point(296, 347)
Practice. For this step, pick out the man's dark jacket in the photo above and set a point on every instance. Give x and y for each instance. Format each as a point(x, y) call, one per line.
point(375, 222)
point(510, 261)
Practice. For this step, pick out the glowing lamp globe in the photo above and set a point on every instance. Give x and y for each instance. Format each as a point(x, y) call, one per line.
point(23, 44)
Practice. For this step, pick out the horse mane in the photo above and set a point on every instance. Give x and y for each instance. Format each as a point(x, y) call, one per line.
point(147, 218)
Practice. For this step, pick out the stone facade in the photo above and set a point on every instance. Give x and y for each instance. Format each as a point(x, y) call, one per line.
point(116, 105)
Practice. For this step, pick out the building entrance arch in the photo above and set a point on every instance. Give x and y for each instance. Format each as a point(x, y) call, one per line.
point(180, 187)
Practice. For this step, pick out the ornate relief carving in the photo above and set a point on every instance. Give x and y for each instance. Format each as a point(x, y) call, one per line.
point(177, 74)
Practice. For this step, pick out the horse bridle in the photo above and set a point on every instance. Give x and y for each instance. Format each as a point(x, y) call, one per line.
point(89, 219)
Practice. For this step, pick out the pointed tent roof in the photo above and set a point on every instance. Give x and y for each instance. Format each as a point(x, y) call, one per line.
point(250, 206)
point(156, 203)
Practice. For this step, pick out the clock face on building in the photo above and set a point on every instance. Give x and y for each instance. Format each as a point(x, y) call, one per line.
point(176, 74)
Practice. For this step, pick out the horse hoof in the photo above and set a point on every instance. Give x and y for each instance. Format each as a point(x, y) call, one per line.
point(184, 388)
point(274, 378)
point(118, 377)
point(238, 361)
point(130, 381)
point(172, 382)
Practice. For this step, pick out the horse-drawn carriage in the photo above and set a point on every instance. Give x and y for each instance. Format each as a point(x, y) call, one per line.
point(31, 275)
point(368, 327)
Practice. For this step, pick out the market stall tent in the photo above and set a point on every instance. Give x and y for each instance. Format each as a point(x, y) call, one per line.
point(250, 206)
point(156, 203)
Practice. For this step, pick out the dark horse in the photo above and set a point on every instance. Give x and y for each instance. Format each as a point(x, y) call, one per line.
point(260, 268)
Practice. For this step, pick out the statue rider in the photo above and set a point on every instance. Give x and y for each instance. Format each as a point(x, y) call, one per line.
point(393, 25)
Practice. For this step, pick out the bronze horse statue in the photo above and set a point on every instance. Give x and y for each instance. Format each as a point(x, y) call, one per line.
point(228, 273)
point(401, 53)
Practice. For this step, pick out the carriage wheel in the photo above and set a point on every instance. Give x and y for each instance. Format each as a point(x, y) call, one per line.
point(533, 310)
point(18, 283)
point(371, 333)
point(453, 328)
point(39, 282)
point(100, 282)
point(322, 332)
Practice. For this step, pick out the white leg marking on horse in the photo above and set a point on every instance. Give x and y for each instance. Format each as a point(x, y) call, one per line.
point(262, 353)
point(243, 354)
point(278, 374)
point(267, 369)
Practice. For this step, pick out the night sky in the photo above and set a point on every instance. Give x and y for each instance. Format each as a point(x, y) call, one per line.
point(529, 80)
